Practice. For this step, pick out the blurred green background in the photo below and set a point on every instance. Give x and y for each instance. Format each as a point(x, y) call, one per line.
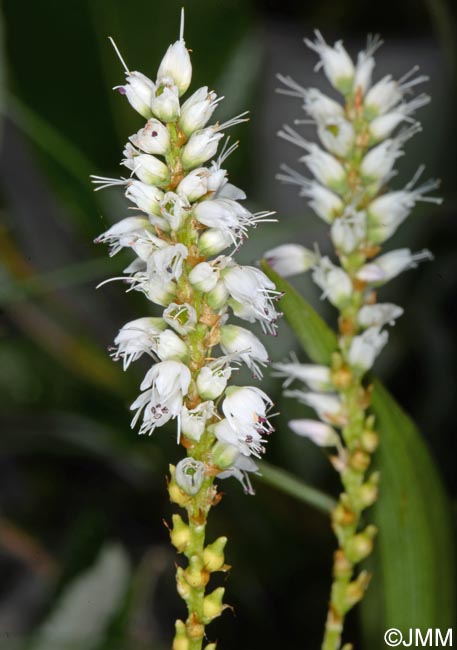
point(80, 493)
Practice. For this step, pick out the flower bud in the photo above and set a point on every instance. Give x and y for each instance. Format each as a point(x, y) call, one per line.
point(212, 604)
point(204, 277)
point(218, 297)
point(196, 576)
point(334, 282)
point(201, 146)
point(214, 241)
point(146, 197)
point(290, 259)
point(176, 66)
point(183, 587)
point(213, 555)
point(356, 589)
point(359, 460)
point(359, 546)
point(224, 454)
point(147, 168)
point(179, 534)
point(321, 434)
point(365, 348)
point(190, 474)
point(165, 103)
point(197, 110)
point(194, 185)
point(154, 138)
point(349, 231)
point(336, 62)
point(181, 641)
point(139, 90)
point(368, 493)
point(369, 440)
point(171, 346)
point(174, 491)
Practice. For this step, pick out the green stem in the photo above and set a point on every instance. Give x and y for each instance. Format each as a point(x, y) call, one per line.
point(289, 484)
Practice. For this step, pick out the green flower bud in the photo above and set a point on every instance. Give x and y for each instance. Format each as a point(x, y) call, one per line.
point(180, 534)
point(180, 642)
point(212, 605)
point(213, 555)
point(196, 575)
point(183, 587)
point(224, 455)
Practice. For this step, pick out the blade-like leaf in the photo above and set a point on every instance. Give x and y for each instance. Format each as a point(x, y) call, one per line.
point(413, 583)
point(87, 607)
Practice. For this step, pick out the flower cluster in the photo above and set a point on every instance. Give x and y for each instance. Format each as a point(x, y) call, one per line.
point(187, 222)
point(360, 140)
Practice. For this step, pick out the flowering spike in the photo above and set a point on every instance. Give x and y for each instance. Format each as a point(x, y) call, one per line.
point(188, 223)
point(360, 146)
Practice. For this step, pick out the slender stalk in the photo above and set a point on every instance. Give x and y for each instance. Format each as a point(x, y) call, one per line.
point(359, 439)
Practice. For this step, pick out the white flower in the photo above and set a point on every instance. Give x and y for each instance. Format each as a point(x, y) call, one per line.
point(245, 443)
point(174, 209)
point(212, 379)
point(223, 214)
point(194, 421)
point(321, 434)
point(146, 197)
point(165, 102)
point(383, 125)
point(387, 93)
point(328, 407)
point(181, 317)
point(197, 110)
point(365, 65)
point(239, 466)
point(336, 62)
point(154, 138)
point(325, 167)
point(124, 233)
point(176, 66)
point(316, 377)
point(337, 136)
point(147, 168)
point(365, 348)
point(137, 338)
point(325, 203)
point(334, 282)
point(389, 265)
point(379, 314)
point(349, 231)
point(320, 107)
point(165, 386)
point(189, 475)
point(139, 91)
point(204, 277)
point(214, 241)
point(378, 163)
point(290, 259)
point(201, 146)
point(167, 262)
point(251, 288)
point(171, 346)
point(243, 344)
point(194, 185)
point(245, 408)
point(388, 211)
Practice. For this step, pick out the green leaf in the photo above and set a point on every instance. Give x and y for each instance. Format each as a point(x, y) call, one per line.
point(87, 607)
point(413, 565)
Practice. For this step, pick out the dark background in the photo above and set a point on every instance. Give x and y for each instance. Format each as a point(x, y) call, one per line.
point(73, 476)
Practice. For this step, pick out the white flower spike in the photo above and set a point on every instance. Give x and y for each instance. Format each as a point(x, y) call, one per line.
point(362, 137)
